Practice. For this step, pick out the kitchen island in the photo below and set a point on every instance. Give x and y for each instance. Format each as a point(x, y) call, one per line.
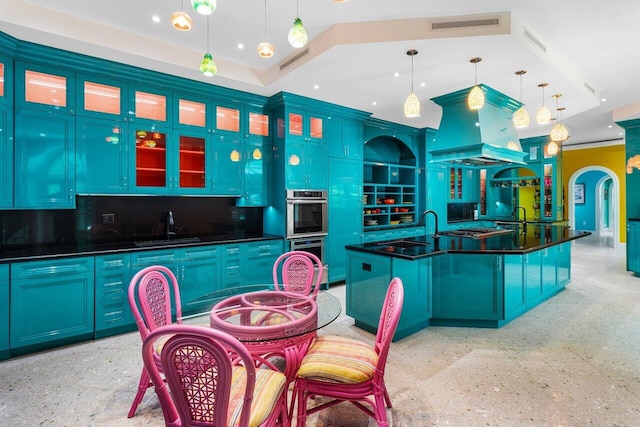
point(453, 280)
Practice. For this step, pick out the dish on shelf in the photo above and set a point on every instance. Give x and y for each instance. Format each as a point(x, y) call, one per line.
point(406, 221)
point(407, 203)
point(394, 222)
point(388, 201)
point(370, 222)
point(403, 209)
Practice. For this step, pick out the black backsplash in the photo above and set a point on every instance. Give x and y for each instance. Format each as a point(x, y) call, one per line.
point(134, 218)
point(460, 211)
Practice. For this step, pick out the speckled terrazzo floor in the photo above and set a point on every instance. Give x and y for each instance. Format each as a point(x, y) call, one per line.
point(573, 361)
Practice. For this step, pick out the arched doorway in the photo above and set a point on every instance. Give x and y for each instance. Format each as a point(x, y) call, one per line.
point(605, 202)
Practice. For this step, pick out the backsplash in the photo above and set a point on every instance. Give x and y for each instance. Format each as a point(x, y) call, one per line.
point(127, 218)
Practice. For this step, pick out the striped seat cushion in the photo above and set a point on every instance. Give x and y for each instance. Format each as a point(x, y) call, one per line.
point(339, 359)
point(269, 387)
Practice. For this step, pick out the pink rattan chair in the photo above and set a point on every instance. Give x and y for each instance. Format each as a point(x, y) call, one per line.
point(344, 369)
point(150, 301)
point(294, 272)
point(211, 380)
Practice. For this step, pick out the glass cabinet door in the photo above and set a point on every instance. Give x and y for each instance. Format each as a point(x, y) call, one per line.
point(151, 158)
point(258, 124)
point(192, 114)
point(228, 119)
point(101, 98)
point(44, 88)
point(191, 162)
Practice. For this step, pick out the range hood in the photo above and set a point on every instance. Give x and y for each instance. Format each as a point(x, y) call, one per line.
point(481, 137)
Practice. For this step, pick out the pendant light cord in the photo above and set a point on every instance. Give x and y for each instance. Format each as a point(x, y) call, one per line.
point(265, 20)
point(208, 50)
point(412, 72)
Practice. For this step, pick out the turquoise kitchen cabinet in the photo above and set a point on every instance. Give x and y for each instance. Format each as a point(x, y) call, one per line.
point(344, 138)
point(112, 311)
point(633, 246)
point(6, 157)
point(51, 301)
point(306, 165)
point(102, 98)
point(44, 164)
point(345, 213)
point(150, 106)
point(189, 163)
point(231, 274)
point(228, 165)
point(260, 257)
point(102, 156)
point(257, 173)
point(43, 88)
point(305, 125)
point(199, 274)
point(463, 184)
point(368, 278)
point(248, 263)
point(4, 311)
point(468, 287)
point(153, 154)
point(6, 80)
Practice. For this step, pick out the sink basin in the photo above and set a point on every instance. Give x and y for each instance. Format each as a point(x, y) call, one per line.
point(404, 244)
point(172, 242)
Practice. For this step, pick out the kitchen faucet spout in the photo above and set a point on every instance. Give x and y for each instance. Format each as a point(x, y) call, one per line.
point(435, 217)
point(514, 214)
point(169, 225)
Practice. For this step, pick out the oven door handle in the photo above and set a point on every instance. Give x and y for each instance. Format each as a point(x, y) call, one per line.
point(305, 202)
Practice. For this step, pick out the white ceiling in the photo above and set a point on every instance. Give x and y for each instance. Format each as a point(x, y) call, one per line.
point(584, 50)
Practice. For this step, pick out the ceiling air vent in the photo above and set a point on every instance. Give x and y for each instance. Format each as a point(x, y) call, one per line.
point(485, 22)
point(534, 40)
point(294, 59)
point(589, 88)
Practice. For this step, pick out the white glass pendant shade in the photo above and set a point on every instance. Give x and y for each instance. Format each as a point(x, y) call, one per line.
point(265, 50)
point(412, 106)
point(521, 118)
point(204, 7)
point(181, 21)
point(297, 34)
point(543, 115)
point(208, 67)
point(559, 133)
point(475, 100)
point(552, 148)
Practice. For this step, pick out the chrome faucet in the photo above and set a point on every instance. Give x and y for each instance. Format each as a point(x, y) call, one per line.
point(514, 214)
point(169, 225)
point(435, 216)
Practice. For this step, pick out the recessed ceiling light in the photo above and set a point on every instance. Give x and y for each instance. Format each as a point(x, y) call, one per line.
point(316, 87)
point(240, 46)
point(422, 84)
point(604, 100)
point(620, 134)
point(374, 103)
point(155, 18)
point(396, 74)
point(610, 126)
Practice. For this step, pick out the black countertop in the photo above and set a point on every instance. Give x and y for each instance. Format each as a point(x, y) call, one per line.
point(35, 253)
point(521, 240)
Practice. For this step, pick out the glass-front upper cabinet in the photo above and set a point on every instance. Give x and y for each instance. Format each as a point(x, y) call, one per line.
point(258, 124)
point(228, 119)
point(192, 165)
point(6, 80)
point(151, 160)
point(150, 106)
point(305, 126)
point(191, 113)
point(44, 88)
point(104, 98)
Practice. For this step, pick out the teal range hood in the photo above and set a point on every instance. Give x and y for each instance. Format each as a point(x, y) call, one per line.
point(481, 137)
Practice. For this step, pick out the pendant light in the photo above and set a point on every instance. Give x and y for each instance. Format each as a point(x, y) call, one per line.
point(521, 116)
point(475, 100)
point(412, 104)
point(559, 132)
point(204, 7)
point(543, 115)
point(207, 66)
point(297, 34)
point(265, 49)
point(180, 20)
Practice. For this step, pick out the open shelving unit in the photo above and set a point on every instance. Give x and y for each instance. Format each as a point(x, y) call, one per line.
point(389, 195)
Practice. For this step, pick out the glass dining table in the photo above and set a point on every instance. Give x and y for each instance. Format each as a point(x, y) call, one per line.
point(274, 325)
